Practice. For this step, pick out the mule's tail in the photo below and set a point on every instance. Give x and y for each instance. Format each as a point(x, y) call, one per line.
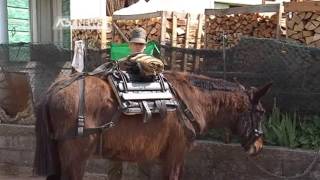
point(46, 161)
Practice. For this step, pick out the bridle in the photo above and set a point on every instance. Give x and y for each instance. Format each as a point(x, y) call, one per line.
point(253, 130)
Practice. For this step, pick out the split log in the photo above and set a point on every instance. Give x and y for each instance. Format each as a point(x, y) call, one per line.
point(304, 27)
point(253, 24)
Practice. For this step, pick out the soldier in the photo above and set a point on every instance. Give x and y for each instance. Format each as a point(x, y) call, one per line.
point(138, 40)
point(138, 62)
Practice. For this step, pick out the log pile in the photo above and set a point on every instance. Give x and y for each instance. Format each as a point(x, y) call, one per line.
point(181, 33)
point(152, 27)
point(304, 27)
point(235, 26)
point(92, 31)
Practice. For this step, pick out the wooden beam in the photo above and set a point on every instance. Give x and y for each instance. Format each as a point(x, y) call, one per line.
point(169, 14)
point(137, 16)
point(205, 31)
point(124, 37)
point(279, 16)
point(244, 10)
point(199, 31)
point(163, 28)
point(186, 43)
point(187, 33)
point(173, 40)
point(174, 31)
point(196, 57)
point(302, 6)
point(104, 33)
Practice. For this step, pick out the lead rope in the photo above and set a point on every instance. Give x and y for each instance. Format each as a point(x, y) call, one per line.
point(305, 172)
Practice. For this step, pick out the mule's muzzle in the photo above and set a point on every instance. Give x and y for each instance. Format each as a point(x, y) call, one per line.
point(254, 143)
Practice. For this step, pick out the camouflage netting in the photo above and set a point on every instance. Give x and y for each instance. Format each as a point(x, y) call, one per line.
point(42, 64)
point(294, 70)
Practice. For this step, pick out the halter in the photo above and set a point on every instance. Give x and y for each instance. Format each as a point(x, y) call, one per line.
point(256, 132)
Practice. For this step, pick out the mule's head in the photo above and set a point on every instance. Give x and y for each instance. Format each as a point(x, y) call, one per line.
point(249, 125)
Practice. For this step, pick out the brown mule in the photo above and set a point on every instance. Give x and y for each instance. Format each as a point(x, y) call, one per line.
point(214, 103)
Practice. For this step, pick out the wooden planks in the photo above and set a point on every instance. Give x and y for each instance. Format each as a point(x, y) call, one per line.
point(244, 10)
point(137, 16)
point(302, 6)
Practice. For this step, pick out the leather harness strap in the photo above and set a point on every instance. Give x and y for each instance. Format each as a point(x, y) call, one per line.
point(72, 134)
point(188, 120)
point(81, 131)
point(81, 107)
point(185, 114)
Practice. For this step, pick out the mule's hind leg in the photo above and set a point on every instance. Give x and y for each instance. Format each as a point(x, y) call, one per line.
point(114, 170)
point(53, 177)
point(73, 157)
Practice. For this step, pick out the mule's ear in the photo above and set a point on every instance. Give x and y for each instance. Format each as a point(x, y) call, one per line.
point(261, 92)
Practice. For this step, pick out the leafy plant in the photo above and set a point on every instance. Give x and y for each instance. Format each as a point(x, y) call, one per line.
point(281, 129)
point(309, 136)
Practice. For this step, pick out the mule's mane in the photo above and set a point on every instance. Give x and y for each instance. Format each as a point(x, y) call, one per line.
point(208, 97)
point(213, 84)
point(210, 84)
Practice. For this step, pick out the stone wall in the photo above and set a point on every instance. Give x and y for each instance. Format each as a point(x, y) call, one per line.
point(208, 160)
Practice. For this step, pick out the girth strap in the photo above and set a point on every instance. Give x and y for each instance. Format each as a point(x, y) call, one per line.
point(72, 134)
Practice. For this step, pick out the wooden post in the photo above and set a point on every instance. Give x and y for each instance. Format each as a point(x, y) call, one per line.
point(279, 14)
point(163, 28)
point(104, 33)
point(120, 32)
point(205, 31)
point(163, 34)
point(186, 43)
point(173, 40)
point(199, 31)
point(198, 43)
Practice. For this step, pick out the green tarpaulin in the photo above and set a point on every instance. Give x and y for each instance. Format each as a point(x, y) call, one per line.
point(119, 51)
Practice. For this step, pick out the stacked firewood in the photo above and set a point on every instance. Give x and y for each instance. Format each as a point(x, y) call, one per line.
point(181, 33)
point(304, 27)
point(91, 31)
point(152, 27)
point(235, 26)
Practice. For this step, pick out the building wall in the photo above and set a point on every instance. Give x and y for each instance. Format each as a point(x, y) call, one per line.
point(19, 21)
point(45, 15)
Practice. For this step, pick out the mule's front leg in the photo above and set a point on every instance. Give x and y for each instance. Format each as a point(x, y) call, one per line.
point(173, 172)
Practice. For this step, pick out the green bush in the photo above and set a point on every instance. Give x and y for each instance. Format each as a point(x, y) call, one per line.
point(309, 135)
point(281, 129)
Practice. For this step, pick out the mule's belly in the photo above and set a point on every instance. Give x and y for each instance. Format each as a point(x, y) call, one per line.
point(133, 140)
